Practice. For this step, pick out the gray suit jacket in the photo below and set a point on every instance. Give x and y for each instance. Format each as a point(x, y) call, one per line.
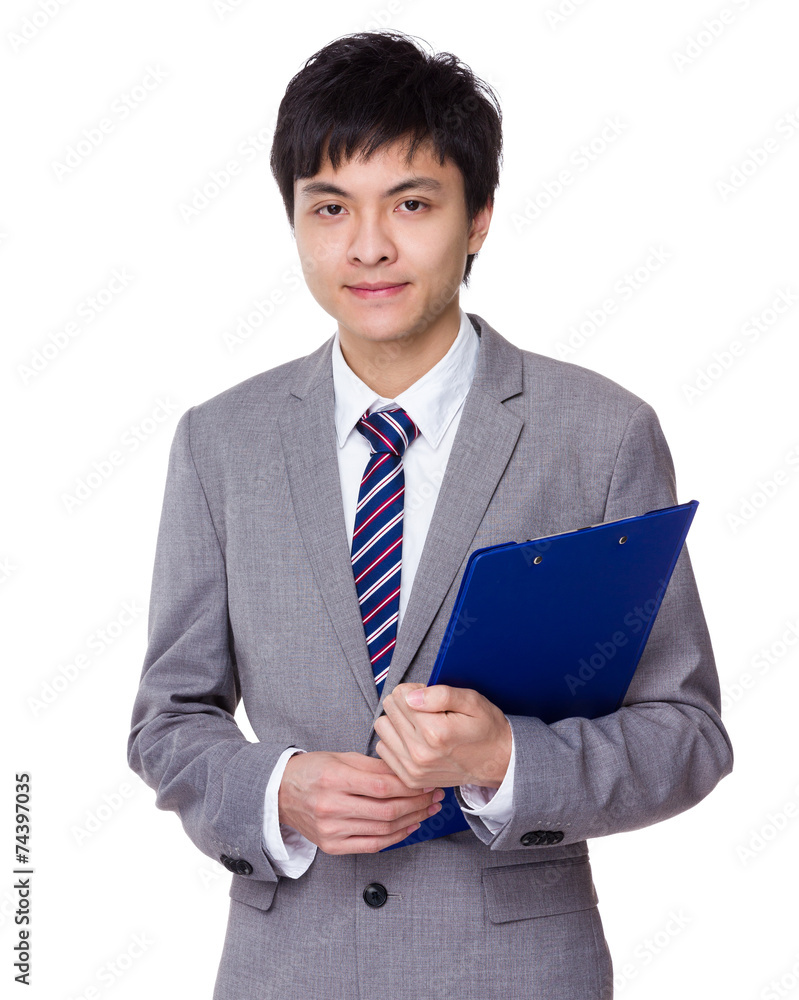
point(253, 598)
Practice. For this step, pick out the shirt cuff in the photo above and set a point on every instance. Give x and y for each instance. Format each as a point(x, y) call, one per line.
point(494, 806)
point(290, 853)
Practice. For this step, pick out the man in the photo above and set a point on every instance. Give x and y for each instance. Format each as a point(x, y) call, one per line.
point(316, 523)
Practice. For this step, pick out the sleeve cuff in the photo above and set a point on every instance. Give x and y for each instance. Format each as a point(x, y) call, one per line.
point(494, 806)
point(290, 853)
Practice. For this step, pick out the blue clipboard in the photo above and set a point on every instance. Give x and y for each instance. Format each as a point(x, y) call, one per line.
point(554, 627)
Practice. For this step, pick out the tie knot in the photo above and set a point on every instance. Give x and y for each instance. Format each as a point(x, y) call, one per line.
point(389, 431)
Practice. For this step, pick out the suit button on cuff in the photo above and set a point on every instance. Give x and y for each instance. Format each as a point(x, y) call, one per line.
point(540, 838)
point(238, 866)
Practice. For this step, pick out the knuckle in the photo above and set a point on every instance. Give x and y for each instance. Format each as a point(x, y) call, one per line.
point(380, 788)
point(326, 829)
point(415, 772)
point(324, 811)
point(392, 812)
point(421, 755)
point(325, 780)
point(436, 735)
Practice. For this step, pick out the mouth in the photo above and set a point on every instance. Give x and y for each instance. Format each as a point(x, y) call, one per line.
point(376, 290)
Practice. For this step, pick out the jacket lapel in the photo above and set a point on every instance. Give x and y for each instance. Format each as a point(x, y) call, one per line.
point(309, 444)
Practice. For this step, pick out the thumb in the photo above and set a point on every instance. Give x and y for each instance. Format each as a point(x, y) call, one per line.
point(437, 698)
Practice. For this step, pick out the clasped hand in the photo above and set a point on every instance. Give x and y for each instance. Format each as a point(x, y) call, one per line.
point(443, 735)
point(430, 738)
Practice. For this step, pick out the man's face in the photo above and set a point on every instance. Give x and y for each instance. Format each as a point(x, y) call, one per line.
point(383, 243)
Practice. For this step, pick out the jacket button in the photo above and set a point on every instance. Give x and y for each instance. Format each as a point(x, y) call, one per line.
point(375, 894)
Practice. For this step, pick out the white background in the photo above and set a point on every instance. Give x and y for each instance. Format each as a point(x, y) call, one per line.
point(702, 905)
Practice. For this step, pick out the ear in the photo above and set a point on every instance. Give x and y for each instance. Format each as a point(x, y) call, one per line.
point(478, 229)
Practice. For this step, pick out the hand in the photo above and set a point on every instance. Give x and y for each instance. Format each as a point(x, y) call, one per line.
point(347, 803)
point(454, 736)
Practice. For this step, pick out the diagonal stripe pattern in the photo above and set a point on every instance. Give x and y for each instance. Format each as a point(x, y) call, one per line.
point(377, 535)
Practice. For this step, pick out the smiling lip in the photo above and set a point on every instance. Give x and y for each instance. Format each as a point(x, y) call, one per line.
point(378, 290)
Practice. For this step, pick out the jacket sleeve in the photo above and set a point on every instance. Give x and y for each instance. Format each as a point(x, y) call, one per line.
point(184, 740)
point(666, 747)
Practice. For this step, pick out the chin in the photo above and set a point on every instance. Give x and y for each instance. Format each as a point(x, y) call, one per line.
point(381, 329)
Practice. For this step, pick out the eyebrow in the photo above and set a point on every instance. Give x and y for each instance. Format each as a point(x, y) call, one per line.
point(408, 184)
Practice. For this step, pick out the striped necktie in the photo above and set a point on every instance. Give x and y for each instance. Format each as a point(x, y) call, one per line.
point(377, 535)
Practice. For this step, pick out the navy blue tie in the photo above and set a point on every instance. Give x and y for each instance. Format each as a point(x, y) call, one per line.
point(377, 535)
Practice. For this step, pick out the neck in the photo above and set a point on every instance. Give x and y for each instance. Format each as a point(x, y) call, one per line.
point(392, 366)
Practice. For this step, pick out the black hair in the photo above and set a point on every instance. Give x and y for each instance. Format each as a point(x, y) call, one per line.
point(369, 89)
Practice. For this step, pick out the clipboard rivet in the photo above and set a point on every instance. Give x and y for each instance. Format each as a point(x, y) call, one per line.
point(622, 540)
point(538, 559)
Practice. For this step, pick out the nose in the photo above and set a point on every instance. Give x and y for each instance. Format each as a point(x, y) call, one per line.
point(371, 242)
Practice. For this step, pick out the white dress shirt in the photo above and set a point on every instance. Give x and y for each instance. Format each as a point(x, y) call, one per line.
point(435, 403)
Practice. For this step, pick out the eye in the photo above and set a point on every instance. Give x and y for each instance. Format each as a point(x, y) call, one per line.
point(413, 205)
point(334, 211)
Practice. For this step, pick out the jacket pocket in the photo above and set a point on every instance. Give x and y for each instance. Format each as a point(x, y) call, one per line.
point(538, 889)
point(254, 893)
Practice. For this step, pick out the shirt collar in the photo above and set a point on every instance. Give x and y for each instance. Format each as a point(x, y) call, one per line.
point(431, 402)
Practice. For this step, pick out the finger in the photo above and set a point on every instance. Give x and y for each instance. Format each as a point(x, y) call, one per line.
point(371, 827)
point(364, 763)
point(395, 762)
point(379, 783)
point(444, 698)
point(399, 696)
point(399, 721)
point(370, 845)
